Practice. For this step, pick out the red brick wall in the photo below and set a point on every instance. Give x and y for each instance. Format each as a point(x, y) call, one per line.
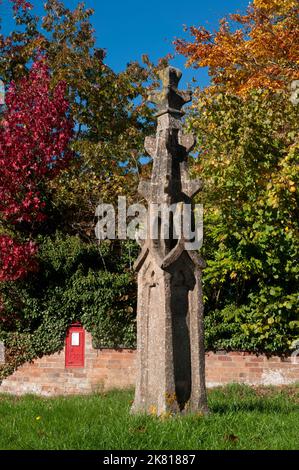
point(107, 369)
point(242, 367)
point(104, 369)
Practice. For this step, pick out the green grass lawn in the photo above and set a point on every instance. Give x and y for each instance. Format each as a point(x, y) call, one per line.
point(240, 418)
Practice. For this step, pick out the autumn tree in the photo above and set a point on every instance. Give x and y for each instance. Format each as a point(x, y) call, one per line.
point(109, 109)
point(248, 155)
point(35, 132)
point(257, 50)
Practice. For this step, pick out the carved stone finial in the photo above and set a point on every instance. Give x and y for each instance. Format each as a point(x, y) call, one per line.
point(170, 99)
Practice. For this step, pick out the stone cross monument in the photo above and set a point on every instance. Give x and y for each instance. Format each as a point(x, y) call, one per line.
point(170, 336)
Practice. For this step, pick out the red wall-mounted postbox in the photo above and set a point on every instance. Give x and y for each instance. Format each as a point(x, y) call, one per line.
point(75, 346)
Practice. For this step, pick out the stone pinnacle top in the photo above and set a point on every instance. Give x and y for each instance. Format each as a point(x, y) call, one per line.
point(170, 99)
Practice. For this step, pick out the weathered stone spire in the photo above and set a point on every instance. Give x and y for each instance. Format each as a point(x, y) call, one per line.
point(170, 369)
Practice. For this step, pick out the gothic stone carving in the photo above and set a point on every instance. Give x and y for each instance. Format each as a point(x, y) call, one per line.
point(170, 349)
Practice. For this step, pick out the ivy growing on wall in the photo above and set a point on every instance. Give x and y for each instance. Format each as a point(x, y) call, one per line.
point(76, 282)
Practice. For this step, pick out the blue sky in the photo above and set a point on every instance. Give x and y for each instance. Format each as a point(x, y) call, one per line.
point(130, 28)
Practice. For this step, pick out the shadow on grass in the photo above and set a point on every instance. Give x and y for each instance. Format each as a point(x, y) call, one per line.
point(261, 407)
point(243, 398)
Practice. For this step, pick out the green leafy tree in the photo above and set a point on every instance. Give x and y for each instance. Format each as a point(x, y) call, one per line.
point(248, 149)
